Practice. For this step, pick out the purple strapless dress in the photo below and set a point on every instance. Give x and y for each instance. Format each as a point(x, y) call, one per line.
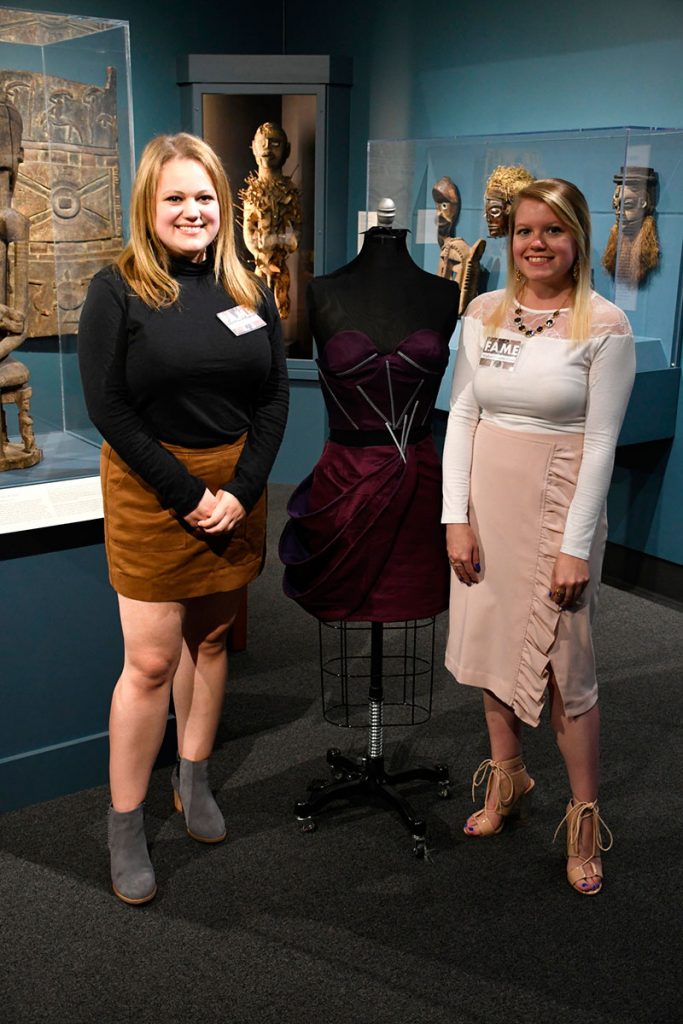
point(364, 540)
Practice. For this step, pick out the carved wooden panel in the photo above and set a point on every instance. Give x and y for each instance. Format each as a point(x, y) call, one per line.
point(68, 186)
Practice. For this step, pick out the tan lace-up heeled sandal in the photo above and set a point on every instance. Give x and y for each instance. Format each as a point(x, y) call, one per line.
point(577, 811)
point(514, 794)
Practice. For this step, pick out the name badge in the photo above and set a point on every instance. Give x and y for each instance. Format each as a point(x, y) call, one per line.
point(500, 353)
point(241, 320)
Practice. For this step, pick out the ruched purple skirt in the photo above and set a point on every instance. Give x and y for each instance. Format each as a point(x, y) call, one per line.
point(364, 540)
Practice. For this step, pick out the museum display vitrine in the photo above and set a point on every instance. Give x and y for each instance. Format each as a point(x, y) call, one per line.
point(633, 181)
point(65, 102)
point(291, 214)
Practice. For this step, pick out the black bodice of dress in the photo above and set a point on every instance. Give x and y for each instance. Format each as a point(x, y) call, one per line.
point(376, 398)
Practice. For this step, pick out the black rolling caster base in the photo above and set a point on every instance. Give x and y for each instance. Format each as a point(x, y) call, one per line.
point(367, 778)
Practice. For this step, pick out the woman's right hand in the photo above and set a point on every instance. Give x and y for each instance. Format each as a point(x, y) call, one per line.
point(203, 509)
point(463, 552)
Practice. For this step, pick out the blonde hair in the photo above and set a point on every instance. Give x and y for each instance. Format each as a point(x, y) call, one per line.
point(145, 262)
point(569, 205)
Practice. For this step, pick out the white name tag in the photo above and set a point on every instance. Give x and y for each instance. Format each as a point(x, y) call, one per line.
point(500, 353)
point(241, 320)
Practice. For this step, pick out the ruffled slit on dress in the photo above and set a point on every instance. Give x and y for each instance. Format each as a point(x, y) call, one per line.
point(506, 634)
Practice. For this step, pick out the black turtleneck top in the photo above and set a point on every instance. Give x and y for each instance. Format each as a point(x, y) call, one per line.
point(179, 375)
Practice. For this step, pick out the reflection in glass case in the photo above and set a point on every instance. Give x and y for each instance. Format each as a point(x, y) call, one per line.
point(633, 181)
point(65, 90)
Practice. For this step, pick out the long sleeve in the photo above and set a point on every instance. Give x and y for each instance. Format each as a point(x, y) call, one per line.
point(178, 376)
point(462, 422)
point(268, 419)
point(102, 351)
point(610, 380)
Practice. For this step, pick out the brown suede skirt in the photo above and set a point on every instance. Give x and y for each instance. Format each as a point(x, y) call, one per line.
point(153, 555)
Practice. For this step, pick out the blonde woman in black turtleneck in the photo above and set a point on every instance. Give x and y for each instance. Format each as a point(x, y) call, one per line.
point(192, 408)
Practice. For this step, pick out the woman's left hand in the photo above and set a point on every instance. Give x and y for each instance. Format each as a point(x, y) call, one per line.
point(227, 513)
point(569, 579)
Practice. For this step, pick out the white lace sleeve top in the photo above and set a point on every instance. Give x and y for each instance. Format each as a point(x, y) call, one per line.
point(541, 384)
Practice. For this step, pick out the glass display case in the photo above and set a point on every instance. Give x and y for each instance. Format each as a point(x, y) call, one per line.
point(65, 88)
point(230, 124)
point(633, 181)
point(230, 100)
point(225, 98)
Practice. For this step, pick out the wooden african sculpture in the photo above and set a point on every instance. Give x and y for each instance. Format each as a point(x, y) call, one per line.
point(502, 186)
point(271, 212)
point(458, 260)
point(14, 236)
point(631, 258)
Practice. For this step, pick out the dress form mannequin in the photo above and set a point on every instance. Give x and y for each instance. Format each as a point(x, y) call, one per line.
point(383, 293)
point(382, 327)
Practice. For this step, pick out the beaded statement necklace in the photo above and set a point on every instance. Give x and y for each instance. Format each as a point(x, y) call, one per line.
point(529, 332)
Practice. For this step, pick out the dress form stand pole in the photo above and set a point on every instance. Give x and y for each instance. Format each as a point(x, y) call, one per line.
point(367, 777)
point(382, 326)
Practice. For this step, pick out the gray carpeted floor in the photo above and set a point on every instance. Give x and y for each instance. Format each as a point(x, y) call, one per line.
point(345, 925)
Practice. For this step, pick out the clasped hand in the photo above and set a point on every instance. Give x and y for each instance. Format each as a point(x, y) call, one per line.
point(11, 319)
point(216, 513)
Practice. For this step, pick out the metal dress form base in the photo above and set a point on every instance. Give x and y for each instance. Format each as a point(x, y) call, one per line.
point(367, 778)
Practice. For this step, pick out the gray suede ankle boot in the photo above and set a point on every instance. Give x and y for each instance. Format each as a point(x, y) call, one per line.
point(192, 796)
point(132, 874)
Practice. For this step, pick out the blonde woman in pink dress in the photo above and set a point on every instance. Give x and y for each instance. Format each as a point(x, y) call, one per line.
point(541, 384)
